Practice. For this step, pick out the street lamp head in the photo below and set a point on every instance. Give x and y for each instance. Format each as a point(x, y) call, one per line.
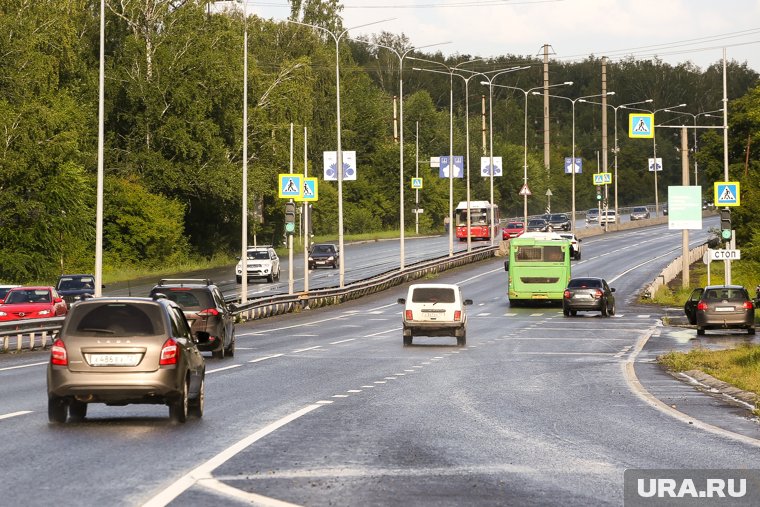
point(568, 83)
point(610, 93)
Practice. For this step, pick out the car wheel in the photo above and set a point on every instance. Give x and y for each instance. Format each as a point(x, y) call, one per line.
point(196, 408)
point(239, 279)
point(179, 406)
point(573, 312)
point(57, 410)
point(231, 349)
point(77, 410)
point(311, 267)
point(751, 330)
point(270, 278)
point(278, 275)
point(578, 256)
point(462, 340)
point(219, 354)
point(407, 341)
point(605, 310)
point(700, 331)
point(612, 310)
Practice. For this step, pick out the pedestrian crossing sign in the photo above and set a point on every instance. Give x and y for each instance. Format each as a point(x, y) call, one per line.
point(290, 186)
point(641, 125)
point(310, 190)
point(416, 183)
point(727, 193)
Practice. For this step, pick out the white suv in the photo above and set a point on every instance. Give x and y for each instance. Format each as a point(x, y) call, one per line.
point(434, 309)
point(262, 262)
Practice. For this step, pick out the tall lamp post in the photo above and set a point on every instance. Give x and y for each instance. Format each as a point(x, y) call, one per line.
point(401, 57)
point(525, 139)
point(450, 71)
point(489, 81)
point(339, 151)
point(694, 117)
point(99, 190)
point(572, 163)
point(616, 149)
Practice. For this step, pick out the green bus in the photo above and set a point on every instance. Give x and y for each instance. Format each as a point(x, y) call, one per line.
point(538, 267)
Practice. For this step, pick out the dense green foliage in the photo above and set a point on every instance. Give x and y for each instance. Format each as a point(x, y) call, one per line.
point(173, 130)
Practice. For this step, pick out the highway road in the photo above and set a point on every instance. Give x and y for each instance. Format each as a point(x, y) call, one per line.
point(326, 407)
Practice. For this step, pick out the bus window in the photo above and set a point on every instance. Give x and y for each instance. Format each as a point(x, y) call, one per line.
point(528, 253)
point(553, 254)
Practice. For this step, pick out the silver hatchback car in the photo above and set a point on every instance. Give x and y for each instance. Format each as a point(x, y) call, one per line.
point(119, 351)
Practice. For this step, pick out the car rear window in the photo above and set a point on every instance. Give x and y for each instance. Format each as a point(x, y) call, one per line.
point(433, 295)
point(188, 299)
point(722, 294)
point(580, 283)
point(115, 319)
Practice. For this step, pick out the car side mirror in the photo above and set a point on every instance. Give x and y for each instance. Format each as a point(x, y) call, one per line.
point(580, 241)
point(612, 289)
point(232, 307)
point(401, 301)
point(467, 302)
point(58, 300)
point(506, 265)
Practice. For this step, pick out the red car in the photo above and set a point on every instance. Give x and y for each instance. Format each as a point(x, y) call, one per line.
point(512, 230)
point(32, 303)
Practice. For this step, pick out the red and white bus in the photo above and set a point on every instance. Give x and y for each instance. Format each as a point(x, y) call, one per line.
point(481, 226)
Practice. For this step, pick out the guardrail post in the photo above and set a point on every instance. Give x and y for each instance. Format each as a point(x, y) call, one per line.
point(19, 338)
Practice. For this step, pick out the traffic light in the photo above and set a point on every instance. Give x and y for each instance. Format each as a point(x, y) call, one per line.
point(598, 193)
point(290, 217)
point(725, 224)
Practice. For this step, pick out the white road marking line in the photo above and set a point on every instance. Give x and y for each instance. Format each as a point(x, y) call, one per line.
point(307, 348)
point(354, 391)
point(399, 374)
point(380, 382)
point(340, 396)
point(642, 316)
point(389, 378)
point(203, 472)
point(367, 387)
point(536, 314)
point(562, 353)
point(342, 341)
point(485, 314)
point(22, 366)
point(305, 335)
point(15, 414)
point(225, 368)
point(244, 496)
point(410, 371)
point(383, 332)
point(324, 402)
point(265, 358)
point(510, 314)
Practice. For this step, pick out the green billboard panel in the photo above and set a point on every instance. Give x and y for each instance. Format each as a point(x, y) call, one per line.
point(685, 207)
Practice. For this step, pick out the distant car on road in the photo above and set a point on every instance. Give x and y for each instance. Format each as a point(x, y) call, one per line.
point(4, 290)
point(512, 230)
point(639, 213)
point(323, 254)
point(592, 216)
point(261, 262)
point(720, 307)
point(73, 288)
point(588, 294)
point(119, 351)
point(575, 244)
point(32, 303)
point(537, 225)
point(559, 222)
point(434, 309)
point(608, 217)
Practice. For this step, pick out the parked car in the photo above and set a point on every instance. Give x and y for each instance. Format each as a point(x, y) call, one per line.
point(559, 222)
point(323, 254)
point(665, 210)
point(32, 303)
point(592, 216)
point(639, 213)
point(4, 290)
point(73, 288)
point(512, 230)
point(261, 262)
point(588, 294)
point(575, 244)
point(608, 217)
point(210, 319)
point(434, 309)
point(120, 350)
point(720, 307)
point(537, 225)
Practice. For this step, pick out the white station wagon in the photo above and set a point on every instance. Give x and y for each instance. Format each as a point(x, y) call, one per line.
point(434, 309)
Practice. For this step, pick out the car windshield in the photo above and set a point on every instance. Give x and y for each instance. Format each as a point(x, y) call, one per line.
point(433, 295)
point(558, 218)
point(593, 211)
point(722, 294)
point(536, 222)
point(640, 210)
point(323, 249)
point(76, 283)
point(28, 296)
point(115, 319)
point(514, 225)
point(582, 283)
point(258, 255)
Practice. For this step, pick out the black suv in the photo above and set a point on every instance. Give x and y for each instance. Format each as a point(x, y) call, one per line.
point(73, 288)
point(209, 317)
point(559, 222)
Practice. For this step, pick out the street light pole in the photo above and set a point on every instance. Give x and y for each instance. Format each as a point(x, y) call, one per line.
point(244, 217)
point(694, 117)
point(339, 150)
point(101, 136)
point(525, 140)
point(572, 162)
point(450, 72)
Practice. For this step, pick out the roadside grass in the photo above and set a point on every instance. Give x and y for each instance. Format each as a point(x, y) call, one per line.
point(739, 366)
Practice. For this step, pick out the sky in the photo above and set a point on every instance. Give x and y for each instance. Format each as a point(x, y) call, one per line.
point(676, 31)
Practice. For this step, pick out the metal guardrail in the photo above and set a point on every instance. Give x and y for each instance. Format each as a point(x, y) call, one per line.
point(37, 331)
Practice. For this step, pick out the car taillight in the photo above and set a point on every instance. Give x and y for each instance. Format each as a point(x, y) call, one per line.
point(748, 305)
point(457, 315)
point(566, 295)
point(169, 353)
point(58, 354)
point(408, 315)
point(208, 311)
point(701, 305)
point(598, 294)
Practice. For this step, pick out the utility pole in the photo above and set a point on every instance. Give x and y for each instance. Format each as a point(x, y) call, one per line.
point(685, 232)
point(546, 109)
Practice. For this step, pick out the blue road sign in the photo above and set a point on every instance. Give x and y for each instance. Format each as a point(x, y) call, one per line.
point(569, 163)
point(726, 193)
point(443, 170)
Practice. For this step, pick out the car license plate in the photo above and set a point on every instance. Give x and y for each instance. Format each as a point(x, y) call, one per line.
point(582, 296)
point(113, 359)
point(724, 308)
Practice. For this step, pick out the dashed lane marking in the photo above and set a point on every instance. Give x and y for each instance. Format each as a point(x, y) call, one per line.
point(265, 358)
point(15, 414)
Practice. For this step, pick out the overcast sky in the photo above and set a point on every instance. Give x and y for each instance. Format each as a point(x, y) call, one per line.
point(674, 30)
